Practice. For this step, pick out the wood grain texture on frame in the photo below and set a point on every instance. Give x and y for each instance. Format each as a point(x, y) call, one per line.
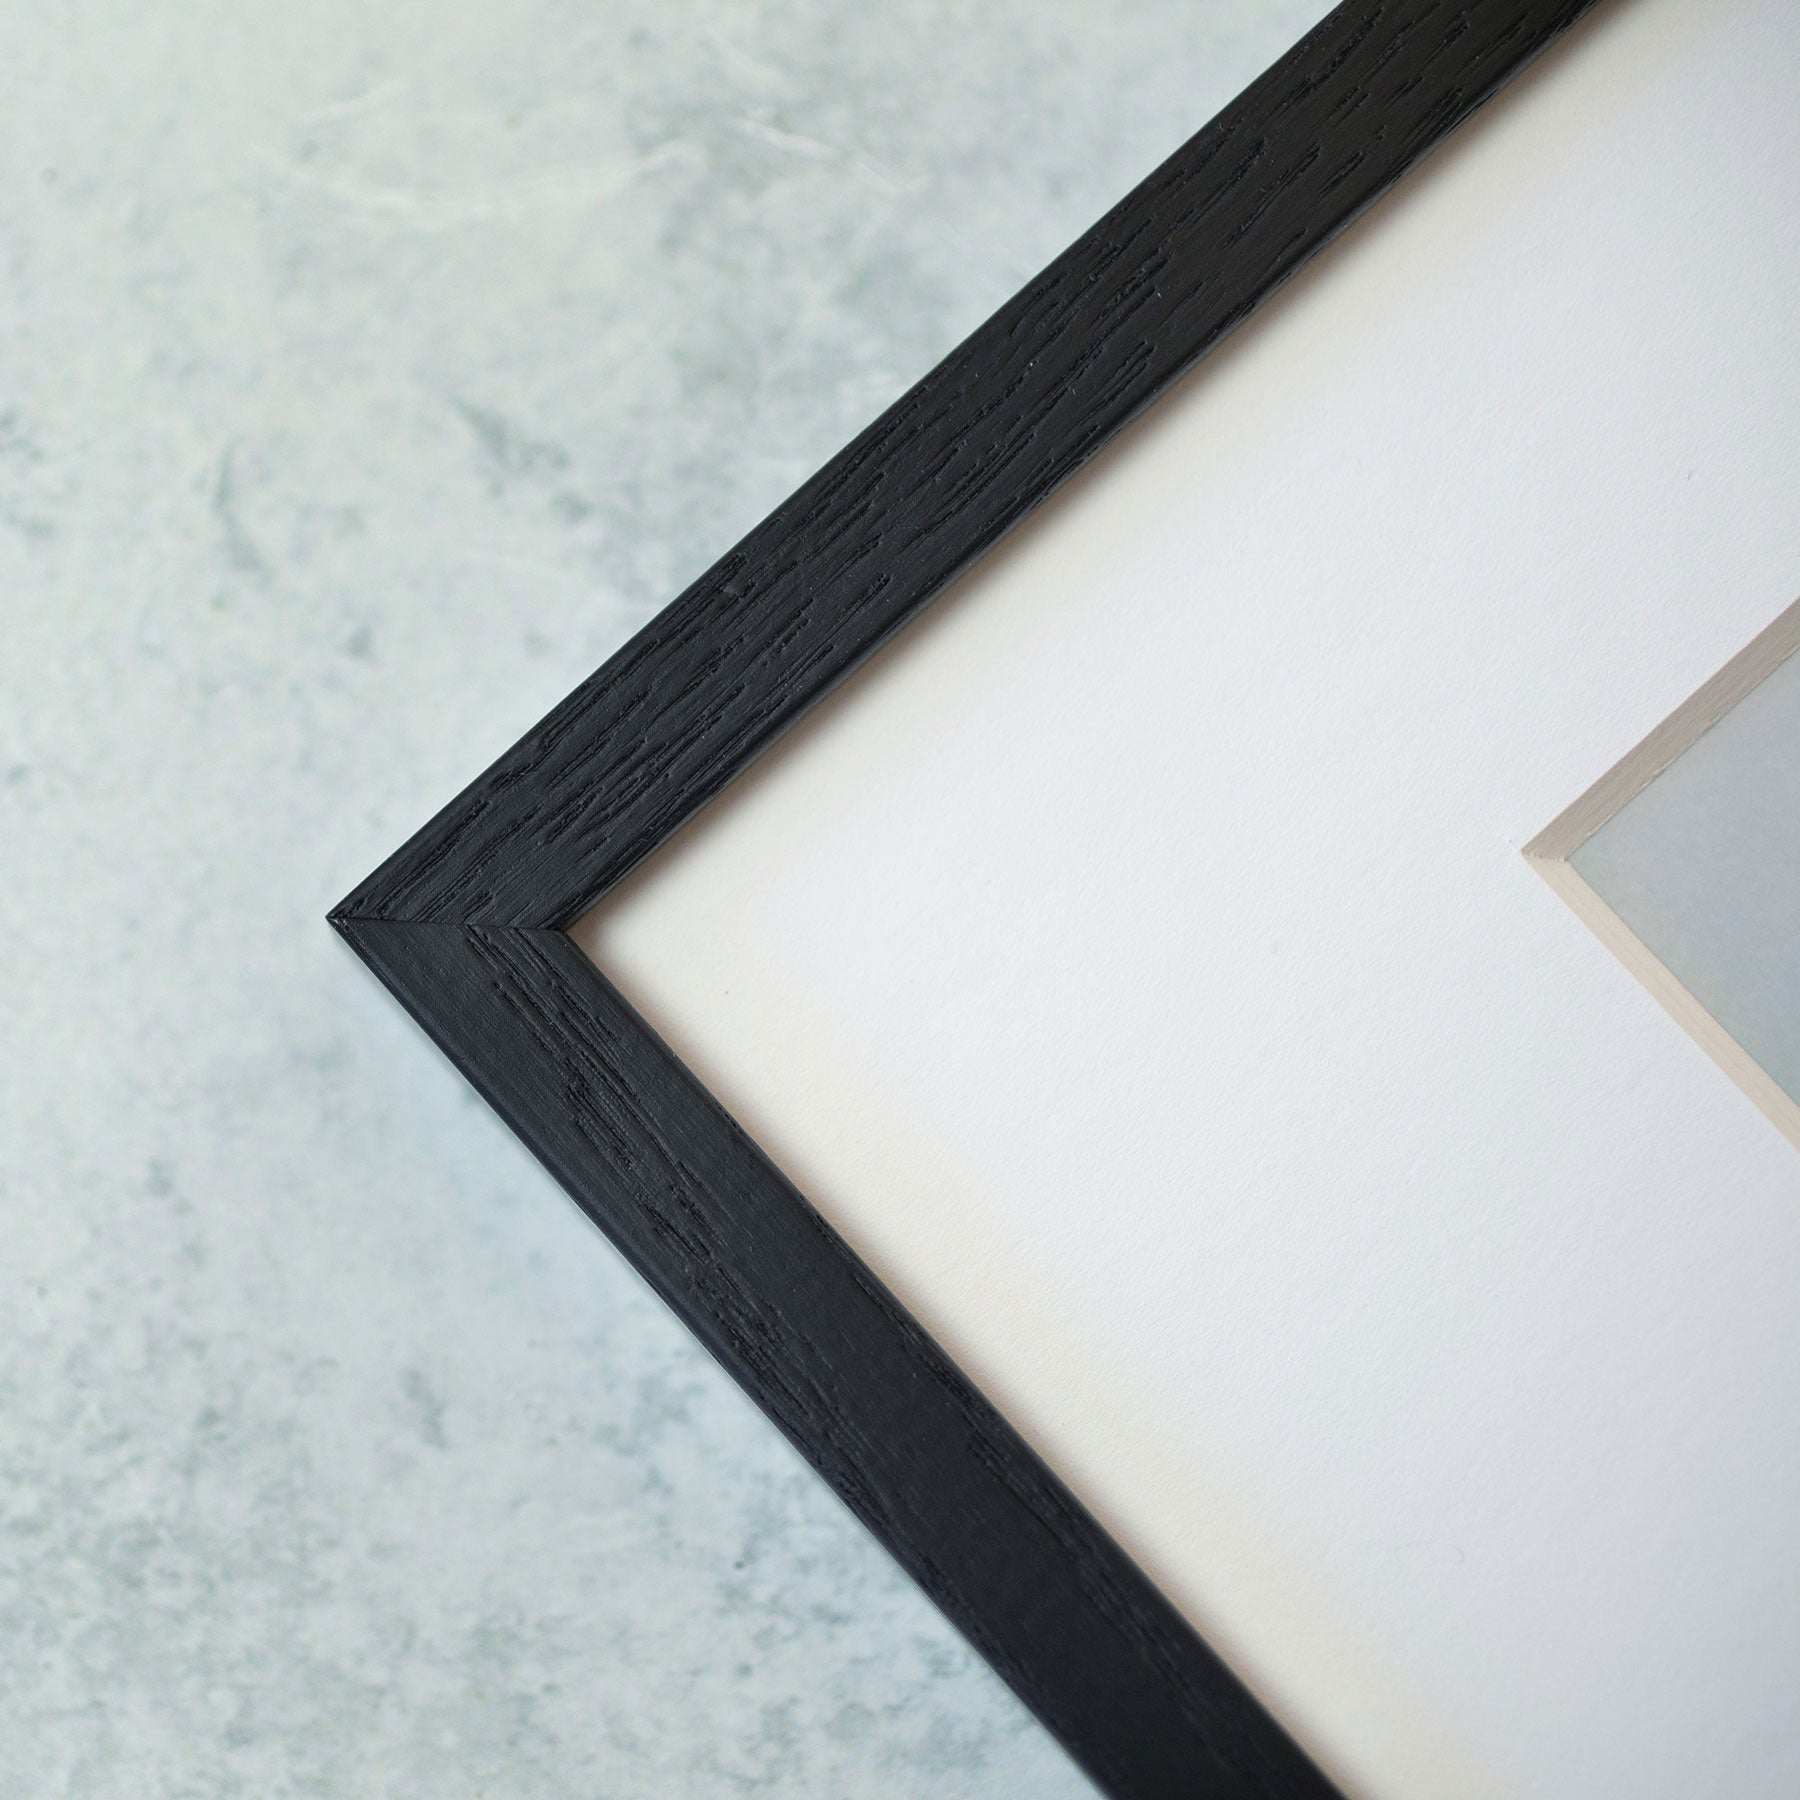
point(464, 922)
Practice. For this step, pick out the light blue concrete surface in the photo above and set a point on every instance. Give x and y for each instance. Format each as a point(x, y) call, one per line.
point(367, 373)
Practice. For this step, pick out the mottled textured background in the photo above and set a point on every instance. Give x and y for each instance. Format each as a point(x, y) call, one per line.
point(366, 375)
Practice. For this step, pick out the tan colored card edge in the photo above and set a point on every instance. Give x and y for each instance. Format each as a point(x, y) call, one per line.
point(1775, 1103)
point(1549, 853)
point(1677, 734)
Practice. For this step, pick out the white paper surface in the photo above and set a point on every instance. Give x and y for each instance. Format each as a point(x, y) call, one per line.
point(1138, 965)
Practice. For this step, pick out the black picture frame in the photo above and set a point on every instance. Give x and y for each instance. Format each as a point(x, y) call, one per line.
point(465, 923)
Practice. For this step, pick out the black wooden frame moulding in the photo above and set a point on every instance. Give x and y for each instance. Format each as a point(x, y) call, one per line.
point(466, 922)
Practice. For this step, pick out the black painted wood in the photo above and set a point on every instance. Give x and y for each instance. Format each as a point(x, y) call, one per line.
point(463, 922)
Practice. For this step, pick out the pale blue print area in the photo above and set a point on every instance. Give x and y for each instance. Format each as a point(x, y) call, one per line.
point(1704, 865)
